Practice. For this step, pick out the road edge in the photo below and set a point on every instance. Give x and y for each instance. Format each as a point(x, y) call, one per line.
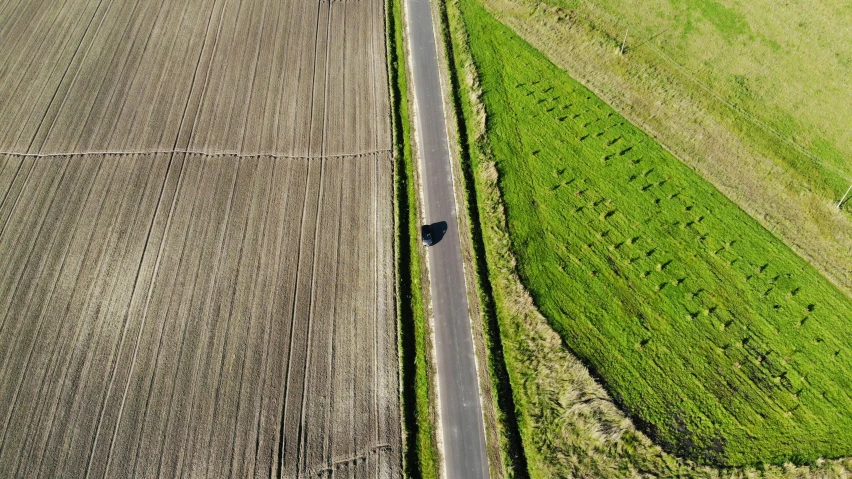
point(452, 117)
point(421, 455)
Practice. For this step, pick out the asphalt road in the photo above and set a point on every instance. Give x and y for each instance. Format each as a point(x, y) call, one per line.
point(463, 431)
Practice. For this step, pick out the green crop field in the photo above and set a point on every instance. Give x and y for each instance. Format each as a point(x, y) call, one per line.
point(719, 341)
point(751, 95)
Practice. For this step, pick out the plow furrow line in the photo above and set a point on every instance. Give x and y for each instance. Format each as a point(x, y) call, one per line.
point(171, 305)
point(198, 153)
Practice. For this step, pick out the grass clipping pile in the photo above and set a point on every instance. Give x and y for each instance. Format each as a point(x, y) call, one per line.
point(196, 228)
point(569, 424)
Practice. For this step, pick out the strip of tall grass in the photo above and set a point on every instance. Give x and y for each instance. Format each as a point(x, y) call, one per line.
point(511, 449)
point(421, 456)
point(689, 310)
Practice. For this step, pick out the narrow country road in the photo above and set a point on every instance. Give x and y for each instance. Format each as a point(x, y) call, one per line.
point(463, 431)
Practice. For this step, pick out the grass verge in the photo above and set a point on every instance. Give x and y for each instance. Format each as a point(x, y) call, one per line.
point(421, 456)
point(511, 447)
point(568, 423)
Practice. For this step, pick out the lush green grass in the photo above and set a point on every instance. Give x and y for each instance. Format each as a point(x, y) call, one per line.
point(708, 81)
point(727, 346)
point(421, 451)
point(511, 448)
point(785, 66)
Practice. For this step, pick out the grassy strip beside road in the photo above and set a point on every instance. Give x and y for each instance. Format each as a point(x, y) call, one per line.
point(511, 447)
point(703, 324)
point(421, 456)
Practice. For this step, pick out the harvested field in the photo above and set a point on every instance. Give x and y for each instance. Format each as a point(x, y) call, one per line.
point(208, 76)
point(196, 226)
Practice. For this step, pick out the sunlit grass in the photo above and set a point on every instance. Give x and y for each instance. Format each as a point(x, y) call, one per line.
point(726, 345)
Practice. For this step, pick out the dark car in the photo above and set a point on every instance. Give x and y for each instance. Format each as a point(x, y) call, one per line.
point(426, 234)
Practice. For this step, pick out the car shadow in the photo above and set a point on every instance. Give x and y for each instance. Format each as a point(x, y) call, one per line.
point(439, 229)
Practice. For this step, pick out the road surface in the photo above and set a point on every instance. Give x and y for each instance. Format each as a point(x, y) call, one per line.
point(463, 431)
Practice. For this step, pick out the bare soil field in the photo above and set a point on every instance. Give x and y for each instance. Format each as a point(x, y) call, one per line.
point(196, 226)
point(209, 76)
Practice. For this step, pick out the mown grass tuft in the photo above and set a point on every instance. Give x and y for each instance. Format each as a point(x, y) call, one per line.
point(688, 310)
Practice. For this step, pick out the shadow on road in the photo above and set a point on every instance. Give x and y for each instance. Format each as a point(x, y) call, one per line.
point(438, 229)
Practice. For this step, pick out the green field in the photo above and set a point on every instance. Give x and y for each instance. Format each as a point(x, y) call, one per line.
point(784, 65)
point(720, 342)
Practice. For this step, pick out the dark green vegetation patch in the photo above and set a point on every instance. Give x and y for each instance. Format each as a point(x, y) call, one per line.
point(722, 344)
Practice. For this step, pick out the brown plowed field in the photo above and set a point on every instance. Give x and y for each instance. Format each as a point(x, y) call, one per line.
point(196, 226)
point(208, 76)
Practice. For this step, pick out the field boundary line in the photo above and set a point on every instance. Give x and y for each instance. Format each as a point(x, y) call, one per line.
point(200, 153)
